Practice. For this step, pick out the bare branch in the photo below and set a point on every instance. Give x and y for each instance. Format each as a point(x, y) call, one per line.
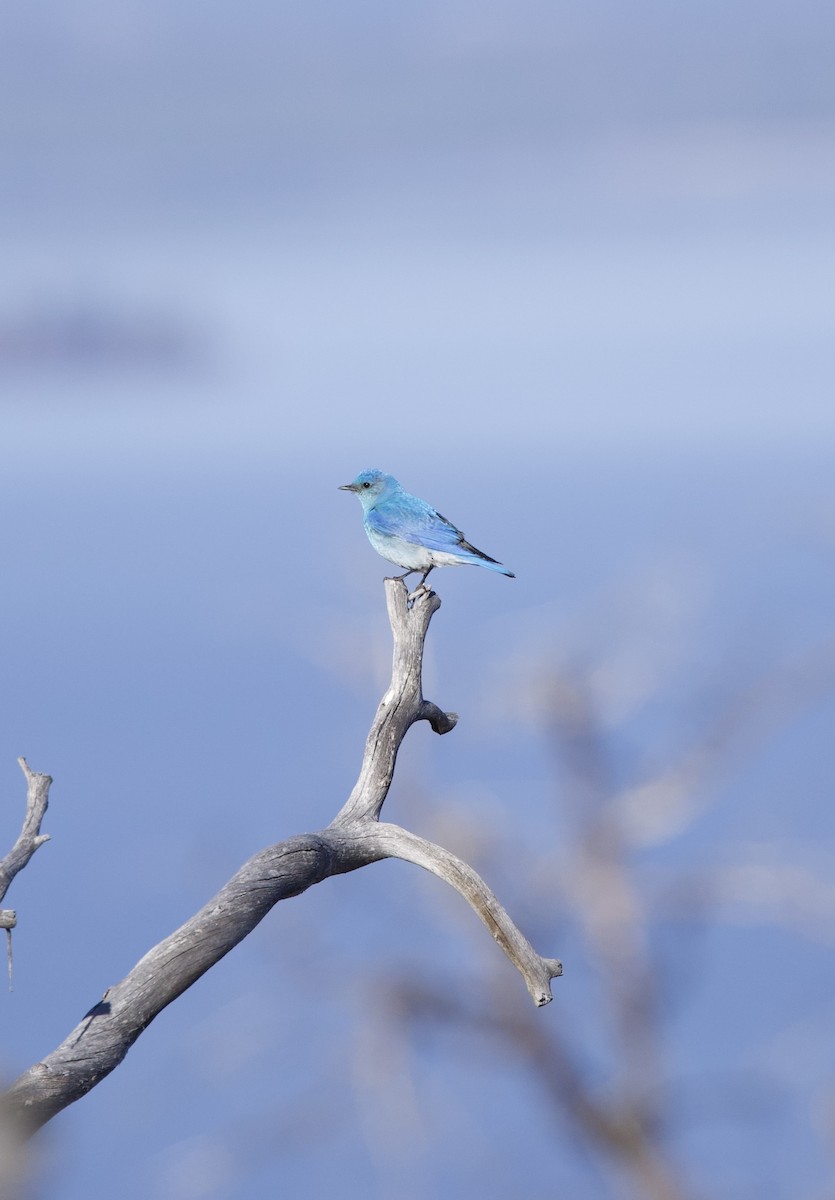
point(31, 838)
point(536, 971)
point(402, 705)
point(354, 839)
point(102, 1039)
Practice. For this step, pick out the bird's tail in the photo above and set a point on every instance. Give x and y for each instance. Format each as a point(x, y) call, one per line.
point(484, 560)
point(492, 565)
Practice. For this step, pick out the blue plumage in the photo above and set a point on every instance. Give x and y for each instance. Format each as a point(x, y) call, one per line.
point(409, 532)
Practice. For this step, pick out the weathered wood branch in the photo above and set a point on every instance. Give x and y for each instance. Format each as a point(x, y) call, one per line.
point(536, 971)
point(402, 705)
point(30, 838)
point(355, 838)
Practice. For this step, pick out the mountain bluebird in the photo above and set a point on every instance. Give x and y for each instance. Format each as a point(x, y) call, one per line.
point(409, 532)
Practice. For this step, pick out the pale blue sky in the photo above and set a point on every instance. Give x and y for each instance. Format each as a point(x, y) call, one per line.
point(572, 223)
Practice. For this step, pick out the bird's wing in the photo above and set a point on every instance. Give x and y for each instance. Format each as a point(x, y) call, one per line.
point(416, 523)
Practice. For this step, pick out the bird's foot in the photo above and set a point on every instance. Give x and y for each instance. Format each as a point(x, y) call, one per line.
point(420, 590)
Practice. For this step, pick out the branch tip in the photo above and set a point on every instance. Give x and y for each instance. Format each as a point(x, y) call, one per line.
point(541, 990)
point(33, 776)
point(441, 722)
point(405, 605)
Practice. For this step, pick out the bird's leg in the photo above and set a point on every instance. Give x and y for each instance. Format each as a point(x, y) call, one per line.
point(402, 578)
point(421, 587)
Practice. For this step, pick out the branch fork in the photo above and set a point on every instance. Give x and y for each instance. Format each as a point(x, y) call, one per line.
point(355, 838)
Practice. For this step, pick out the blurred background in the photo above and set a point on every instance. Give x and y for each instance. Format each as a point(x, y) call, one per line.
point(566, 270)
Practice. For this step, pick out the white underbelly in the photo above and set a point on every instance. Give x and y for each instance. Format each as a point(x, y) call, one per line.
point(409, 555)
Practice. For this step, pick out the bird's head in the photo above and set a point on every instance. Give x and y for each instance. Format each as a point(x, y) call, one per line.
point(370, 486)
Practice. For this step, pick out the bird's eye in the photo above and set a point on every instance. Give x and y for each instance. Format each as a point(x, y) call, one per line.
point(366, 484)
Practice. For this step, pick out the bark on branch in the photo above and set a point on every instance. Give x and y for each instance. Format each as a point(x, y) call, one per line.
point(355, 838)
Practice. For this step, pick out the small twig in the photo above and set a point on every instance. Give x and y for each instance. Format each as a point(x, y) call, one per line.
point(30, 838)
point(8, 920)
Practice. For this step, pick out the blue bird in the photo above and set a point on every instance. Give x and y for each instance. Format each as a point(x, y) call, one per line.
point(409, 532)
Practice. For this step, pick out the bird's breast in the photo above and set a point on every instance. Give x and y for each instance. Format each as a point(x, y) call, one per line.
point(400, 552)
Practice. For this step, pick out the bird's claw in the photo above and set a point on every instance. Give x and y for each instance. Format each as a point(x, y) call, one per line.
point(420, 590)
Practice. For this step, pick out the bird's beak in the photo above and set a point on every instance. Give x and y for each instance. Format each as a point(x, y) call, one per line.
point(347, 487)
